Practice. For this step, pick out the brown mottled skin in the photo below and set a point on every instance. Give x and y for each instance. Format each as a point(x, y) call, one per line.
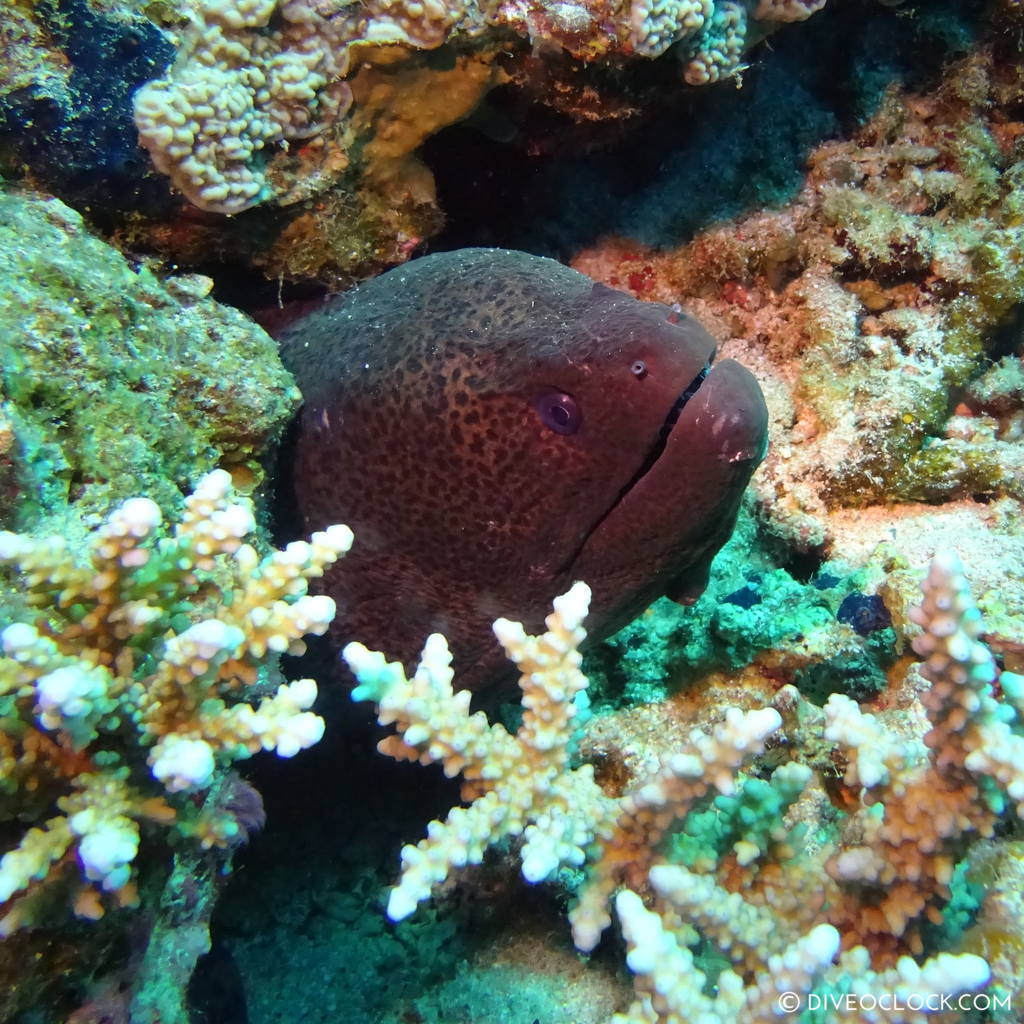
point(421, 431)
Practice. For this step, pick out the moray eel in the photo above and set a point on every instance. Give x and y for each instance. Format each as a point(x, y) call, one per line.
point(493, 426)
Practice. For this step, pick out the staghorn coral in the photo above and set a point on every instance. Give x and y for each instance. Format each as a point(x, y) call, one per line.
point(149, 651)
point(523, 785)
point(888, 873)
point(673, 989)
point(517, 785)
point(896, 870)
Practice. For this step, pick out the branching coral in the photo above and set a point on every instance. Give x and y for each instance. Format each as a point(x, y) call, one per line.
point(648, 811)
point(517, 785)
point(152, 649)
point(524, 785)
point(765, 902)
point(894, 871)
point(673, 989)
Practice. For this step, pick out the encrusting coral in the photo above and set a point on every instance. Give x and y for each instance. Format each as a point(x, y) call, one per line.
point(251, 78)
point(147, 665)
point(766, 903)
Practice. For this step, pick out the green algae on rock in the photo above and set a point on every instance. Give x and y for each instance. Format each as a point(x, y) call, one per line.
point(113, 382)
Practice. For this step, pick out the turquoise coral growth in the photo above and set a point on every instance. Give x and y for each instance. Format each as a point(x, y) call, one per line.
point(153, 649)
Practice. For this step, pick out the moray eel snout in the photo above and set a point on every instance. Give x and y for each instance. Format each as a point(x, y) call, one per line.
point(494, 426)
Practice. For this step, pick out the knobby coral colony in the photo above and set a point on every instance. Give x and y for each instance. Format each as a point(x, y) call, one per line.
point(840, 919)
point(142, 670)
point(253, 75)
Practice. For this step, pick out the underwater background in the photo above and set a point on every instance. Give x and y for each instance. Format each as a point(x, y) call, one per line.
point(797, 798)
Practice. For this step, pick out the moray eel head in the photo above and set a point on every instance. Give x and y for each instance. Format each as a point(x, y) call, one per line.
point(494, 426)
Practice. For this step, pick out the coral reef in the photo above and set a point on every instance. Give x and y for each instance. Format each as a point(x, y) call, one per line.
point(116, 382)
point(872, 308)
point(251, 76)
point(750, 891)
point(831, 632)
point(811, 781)
point(318, 106)
point(149, 662)
point(66, 125)
point(519, 785)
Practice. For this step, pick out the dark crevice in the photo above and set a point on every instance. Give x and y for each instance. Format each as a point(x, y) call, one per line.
point(663, 161)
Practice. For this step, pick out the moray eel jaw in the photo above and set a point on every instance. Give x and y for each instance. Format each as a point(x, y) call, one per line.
point(696, 480)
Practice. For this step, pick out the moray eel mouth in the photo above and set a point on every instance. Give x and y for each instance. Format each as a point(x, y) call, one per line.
point(654, 453)
point(712, 432)
point(657, 449)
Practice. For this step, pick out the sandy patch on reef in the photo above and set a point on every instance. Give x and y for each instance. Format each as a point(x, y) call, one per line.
point(988, 537)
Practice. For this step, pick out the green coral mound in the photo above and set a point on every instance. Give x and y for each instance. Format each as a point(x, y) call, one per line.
point(750, 613)
point(114, 382)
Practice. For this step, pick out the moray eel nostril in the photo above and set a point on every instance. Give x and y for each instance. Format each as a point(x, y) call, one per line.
point(493, 426)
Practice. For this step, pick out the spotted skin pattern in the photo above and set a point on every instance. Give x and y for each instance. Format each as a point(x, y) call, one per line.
point(423, 428)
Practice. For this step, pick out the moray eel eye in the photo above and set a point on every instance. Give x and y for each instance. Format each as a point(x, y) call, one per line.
point(638, 368)
point(559, 412)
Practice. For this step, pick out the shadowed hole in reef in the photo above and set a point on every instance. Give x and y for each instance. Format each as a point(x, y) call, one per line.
point(1009, 336)
point(522, 175)
point(311, 887)
point(83, 146)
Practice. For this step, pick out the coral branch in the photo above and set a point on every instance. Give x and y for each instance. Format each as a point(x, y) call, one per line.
point(144, 652)
point(769, 907)
point(517, 785)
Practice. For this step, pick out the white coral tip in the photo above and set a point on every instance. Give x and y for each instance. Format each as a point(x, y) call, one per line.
point(400, 904)
point(182, 763)
point(107, 851)
point(216, 484)
point(138, 516)
point(18, 638)
point(573, 605)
